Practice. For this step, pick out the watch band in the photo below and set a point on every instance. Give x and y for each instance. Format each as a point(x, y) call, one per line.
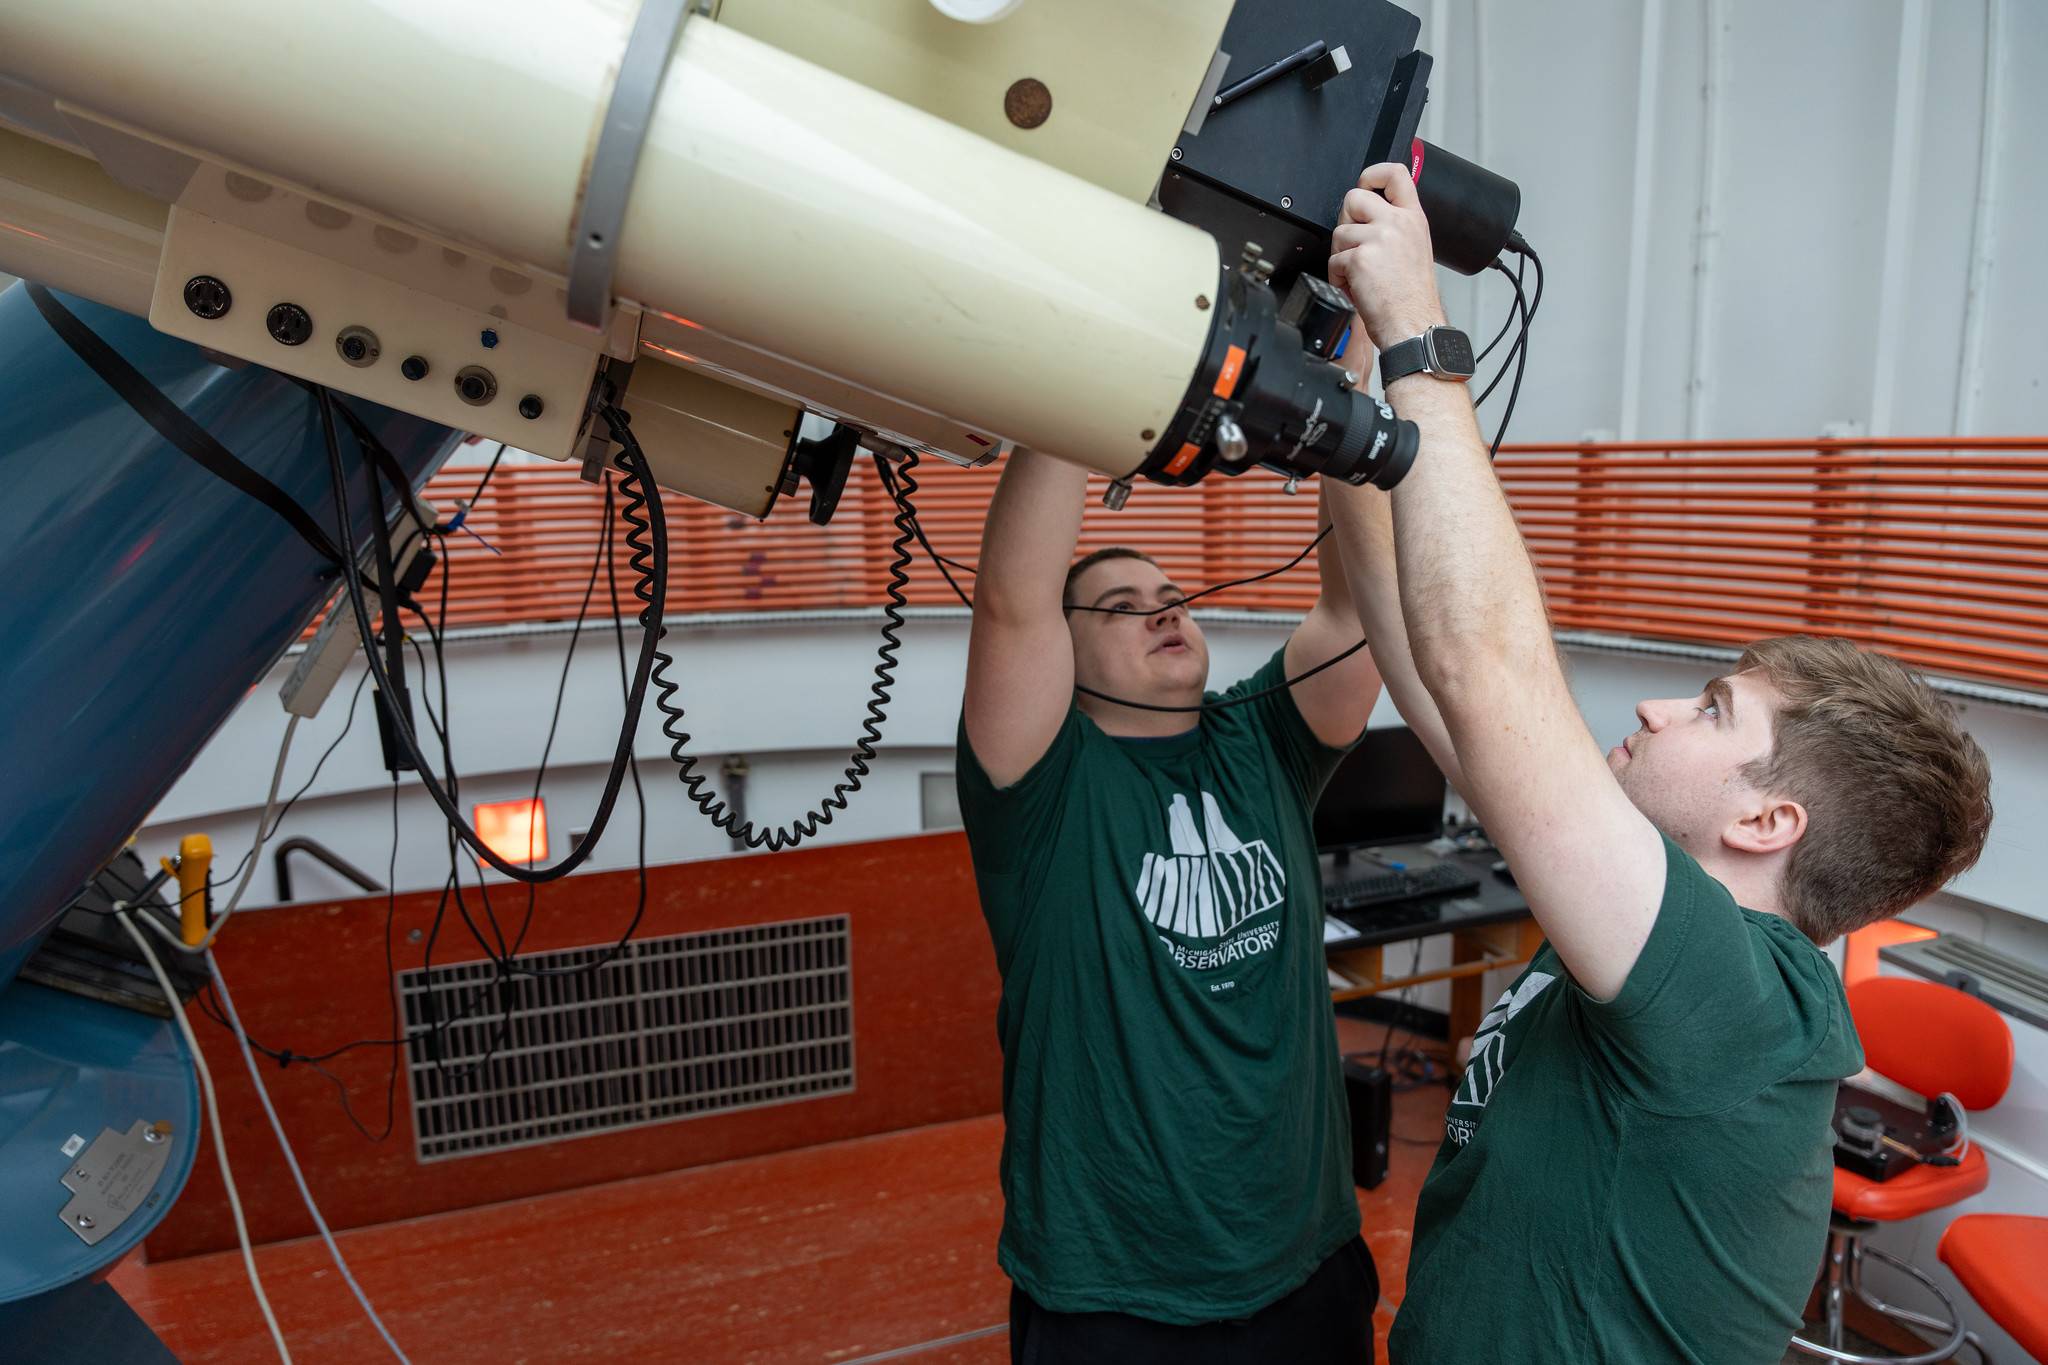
point(1444, 352)
point(1402, 359)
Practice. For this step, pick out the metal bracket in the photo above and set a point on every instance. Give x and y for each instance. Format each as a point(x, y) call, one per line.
point(594, 253)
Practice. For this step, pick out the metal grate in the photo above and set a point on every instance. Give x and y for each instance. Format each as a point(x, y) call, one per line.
point(2004, 982)
point(672, 1028)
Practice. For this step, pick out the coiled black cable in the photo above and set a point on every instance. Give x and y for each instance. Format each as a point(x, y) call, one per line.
point(696, 784)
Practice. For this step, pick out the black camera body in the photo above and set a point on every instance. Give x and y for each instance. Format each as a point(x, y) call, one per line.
point(1301, 97)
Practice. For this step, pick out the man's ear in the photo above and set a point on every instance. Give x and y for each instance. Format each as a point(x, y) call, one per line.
point(1773, 824)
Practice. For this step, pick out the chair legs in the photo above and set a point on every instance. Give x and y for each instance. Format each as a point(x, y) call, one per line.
point(1844, 1277)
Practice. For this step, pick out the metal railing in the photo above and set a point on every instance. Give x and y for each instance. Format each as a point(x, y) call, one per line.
point(1934, 550)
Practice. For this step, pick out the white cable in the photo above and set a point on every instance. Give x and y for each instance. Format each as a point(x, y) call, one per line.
point(227, 1004)
point(220, 1147)
point(263, 833)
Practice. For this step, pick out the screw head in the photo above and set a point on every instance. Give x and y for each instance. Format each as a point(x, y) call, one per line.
point(1148, 435)
point(531, 407)
point(1027, 103)
point(207, 297)
point(1176, 154)
point(83, 1220)
point(288, 324)
point(413, 367)
point(1202, 302)
point(1286, 201)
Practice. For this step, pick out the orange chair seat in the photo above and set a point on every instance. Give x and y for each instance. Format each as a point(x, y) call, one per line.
point(1999, 1258)
point(1911, 1193)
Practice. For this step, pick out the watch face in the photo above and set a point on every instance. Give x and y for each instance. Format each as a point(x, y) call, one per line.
point(1452, 351)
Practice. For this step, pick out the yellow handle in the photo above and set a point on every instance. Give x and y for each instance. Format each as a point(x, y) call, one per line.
point(195, 860)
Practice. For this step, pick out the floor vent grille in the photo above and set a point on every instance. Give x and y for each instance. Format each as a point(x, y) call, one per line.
point(672, 1028)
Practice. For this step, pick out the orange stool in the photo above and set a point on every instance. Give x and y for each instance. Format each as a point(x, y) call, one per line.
point(1998, 1257)
point(1933, 1040)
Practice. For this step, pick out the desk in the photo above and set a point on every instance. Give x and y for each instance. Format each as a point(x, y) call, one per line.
point(1490, 928)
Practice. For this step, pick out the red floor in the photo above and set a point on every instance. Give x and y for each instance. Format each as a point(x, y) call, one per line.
point(829, 1254)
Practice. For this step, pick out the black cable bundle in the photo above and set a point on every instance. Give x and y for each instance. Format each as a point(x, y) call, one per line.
point(695, 783)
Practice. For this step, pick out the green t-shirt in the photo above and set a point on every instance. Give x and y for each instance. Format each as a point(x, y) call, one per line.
point(1176, 1144)
point(1642, 1180)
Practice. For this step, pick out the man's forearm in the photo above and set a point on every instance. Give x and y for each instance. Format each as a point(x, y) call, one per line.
point(1363, 532)
point(1033, 523)
point(1474, 609)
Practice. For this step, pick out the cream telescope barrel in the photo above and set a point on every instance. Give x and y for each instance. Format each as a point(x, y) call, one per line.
point(776, 204)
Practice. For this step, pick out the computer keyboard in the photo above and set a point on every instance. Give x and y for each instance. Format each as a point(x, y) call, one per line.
point(1390, 885)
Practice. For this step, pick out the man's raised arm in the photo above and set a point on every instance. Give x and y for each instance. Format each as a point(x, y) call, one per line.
point(1590, 864)
point(1337, 702)
point(1363, 531)
point(1020, 659)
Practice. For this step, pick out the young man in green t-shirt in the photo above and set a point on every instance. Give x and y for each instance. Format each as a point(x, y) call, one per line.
point(1637, 1161)
point(1176, 1157)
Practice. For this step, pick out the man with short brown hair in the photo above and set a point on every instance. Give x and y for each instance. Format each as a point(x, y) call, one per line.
point(1637, 1163)
point(1897, 797)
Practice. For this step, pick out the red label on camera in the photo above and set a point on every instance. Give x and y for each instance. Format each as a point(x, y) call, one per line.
point(1415, 161)
point(1226, 379)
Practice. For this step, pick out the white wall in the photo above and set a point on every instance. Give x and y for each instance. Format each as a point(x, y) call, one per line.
point(1773, 301)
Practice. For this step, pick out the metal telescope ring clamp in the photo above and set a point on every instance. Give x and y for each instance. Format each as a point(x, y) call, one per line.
point(592, 255)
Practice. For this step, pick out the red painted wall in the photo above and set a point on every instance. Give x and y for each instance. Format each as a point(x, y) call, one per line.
point(313, 977)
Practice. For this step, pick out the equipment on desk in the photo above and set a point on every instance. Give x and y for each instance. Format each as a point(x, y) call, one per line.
point(1388, 790)
point(1395, 885)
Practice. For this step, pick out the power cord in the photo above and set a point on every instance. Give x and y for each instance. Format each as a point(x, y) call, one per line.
point(1518, 354)
point(643, 518)
point(234, 1025)
point(940, 562)
point(654, 570)
point(220, 1146)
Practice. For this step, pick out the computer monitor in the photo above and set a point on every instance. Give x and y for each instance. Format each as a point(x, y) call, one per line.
point(1388, 790)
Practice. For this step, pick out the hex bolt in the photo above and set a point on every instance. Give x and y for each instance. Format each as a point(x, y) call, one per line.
point(289, 324)
point(207, 297)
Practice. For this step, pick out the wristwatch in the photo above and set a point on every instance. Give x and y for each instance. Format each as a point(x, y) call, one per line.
point(1444, 352)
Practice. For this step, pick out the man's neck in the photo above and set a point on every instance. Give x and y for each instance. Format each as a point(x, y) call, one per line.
point(1752, 880)
point(1125, 722)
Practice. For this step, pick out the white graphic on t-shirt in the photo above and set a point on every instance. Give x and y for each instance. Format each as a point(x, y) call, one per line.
point(1212, 881)
point(1489, 1051)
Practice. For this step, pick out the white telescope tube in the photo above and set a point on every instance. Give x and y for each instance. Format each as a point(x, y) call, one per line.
point(775, 203)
